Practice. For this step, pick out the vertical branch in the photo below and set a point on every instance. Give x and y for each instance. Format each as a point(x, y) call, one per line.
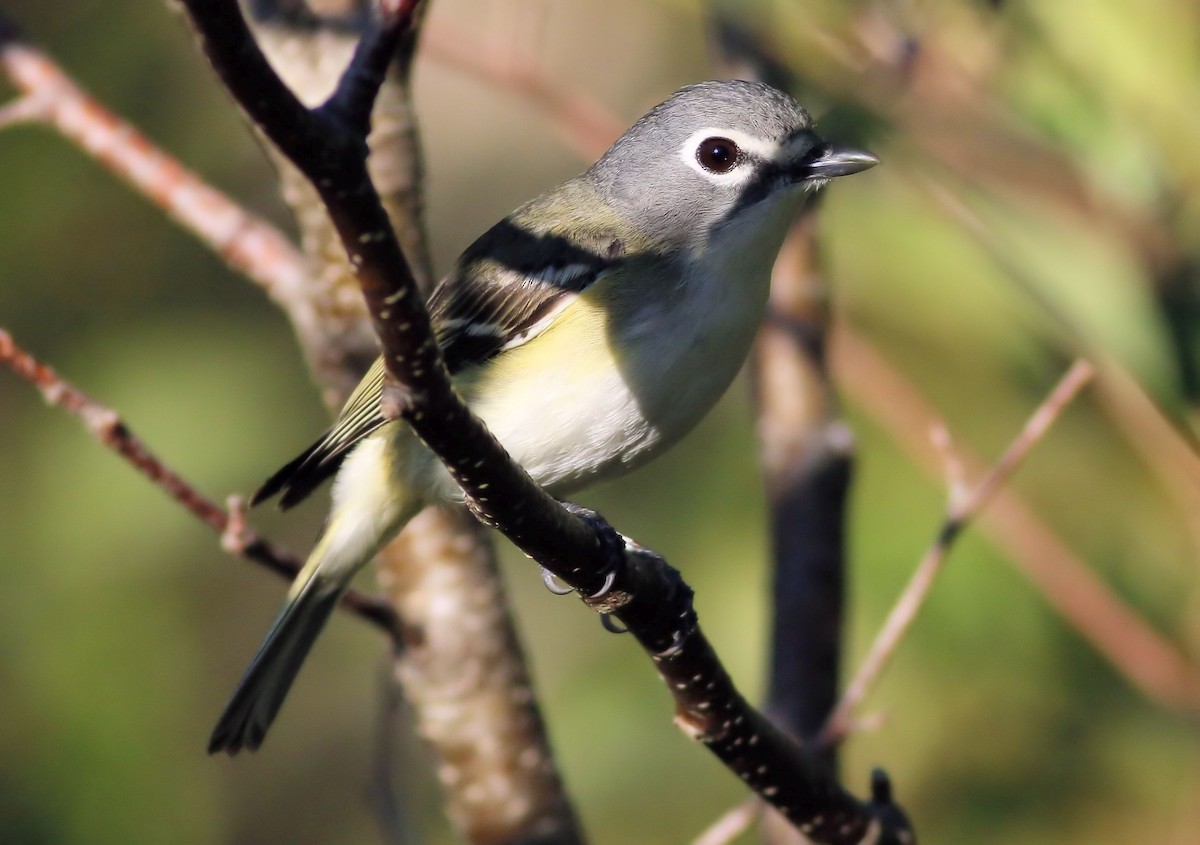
point(442, 569)
point(309, 50)
point(464, 674)
point(1148, 660)
point(806, 455)
point(107, 427)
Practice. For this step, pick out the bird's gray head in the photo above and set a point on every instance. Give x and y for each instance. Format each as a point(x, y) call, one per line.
point(713, 152)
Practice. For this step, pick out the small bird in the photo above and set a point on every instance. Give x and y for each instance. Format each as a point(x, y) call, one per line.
point(590, 330)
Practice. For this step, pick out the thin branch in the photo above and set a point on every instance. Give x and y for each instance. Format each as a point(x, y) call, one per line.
point(109, 429)
point(637, 586)
point(1145, 658)
point(327, 330)
point(961, 509)
point(1167, 449)
point(736, 821)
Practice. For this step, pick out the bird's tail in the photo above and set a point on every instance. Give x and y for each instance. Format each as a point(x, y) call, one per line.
point(361, 523)
point(258, 697)
point(368, 510)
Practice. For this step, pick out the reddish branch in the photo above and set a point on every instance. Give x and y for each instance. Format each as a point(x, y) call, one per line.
point(328, 145)
point(107, 427)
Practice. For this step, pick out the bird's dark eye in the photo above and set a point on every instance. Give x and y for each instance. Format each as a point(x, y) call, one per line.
point(718, 155)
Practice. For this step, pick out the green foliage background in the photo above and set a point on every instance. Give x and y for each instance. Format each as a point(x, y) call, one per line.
point(123, 626)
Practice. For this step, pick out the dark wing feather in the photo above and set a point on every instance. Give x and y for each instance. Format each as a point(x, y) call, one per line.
point(494, 300)
point(499, 297)
point(359, 417)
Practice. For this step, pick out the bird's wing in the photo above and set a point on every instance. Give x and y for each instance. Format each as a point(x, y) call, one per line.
point(304, 473)
point(495, 300)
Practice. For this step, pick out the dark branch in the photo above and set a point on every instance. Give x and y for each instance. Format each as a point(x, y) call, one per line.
point(637, 586)
point(352, 101)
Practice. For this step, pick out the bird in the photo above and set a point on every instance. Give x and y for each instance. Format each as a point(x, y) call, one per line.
point(590, 329)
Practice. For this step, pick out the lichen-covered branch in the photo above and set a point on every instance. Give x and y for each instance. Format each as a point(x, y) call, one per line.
point(468, 688)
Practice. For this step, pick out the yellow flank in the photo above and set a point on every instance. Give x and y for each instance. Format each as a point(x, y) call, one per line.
point(573, 349)
point(559, 405)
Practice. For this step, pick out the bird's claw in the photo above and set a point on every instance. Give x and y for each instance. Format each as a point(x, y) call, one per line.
point(611, 542)
point(610, 625)
point(553, 585)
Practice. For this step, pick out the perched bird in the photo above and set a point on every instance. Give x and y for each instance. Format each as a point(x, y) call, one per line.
point(590, 330)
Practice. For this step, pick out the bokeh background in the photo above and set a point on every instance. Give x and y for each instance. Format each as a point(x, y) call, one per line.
point(1039, 200)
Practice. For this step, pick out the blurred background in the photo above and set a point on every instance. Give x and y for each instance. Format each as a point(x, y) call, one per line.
point(1039, 199)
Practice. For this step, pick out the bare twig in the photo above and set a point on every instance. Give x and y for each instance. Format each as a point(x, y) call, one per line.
point(1136, 650)
point(246, 242)
point(328, 145)
point(736, 821)
point(961, 509)
point(106, 426)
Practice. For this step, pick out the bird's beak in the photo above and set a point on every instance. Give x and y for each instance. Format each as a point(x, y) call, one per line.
point(832, 161)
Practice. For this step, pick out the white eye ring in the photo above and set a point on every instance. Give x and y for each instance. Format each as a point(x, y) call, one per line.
point(746, 145)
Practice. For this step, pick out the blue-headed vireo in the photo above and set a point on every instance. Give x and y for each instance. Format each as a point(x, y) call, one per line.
point(590, 330)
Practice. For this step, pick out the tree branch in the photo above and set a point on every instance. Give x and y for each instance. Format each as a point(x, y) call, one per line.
point(732, 824)
point(962, 507)
point(1144, 657)
point(108, 428)
point(618, 577)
